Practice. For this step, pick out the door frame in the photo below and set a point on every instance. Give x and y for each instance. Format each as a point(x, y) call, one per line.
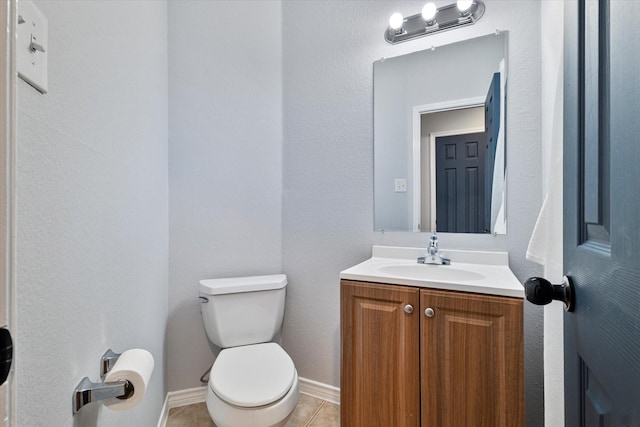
point(8, 115)
point(418, 111)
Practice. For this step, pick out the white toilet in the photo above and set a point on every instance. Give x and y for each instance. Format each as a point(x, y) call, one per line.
point(253, 382)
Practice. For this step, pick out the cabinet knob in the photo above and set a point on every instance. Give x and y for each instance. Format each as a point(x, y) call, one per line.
point(408, 309)
point(429, 312)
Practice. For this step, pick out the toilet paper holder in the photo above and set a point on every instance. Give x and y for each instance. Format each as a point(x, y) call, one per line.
point(87, 391)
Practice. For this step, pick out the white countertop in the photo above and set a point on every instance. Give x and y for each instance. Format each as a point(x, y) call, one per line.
point(470, 271)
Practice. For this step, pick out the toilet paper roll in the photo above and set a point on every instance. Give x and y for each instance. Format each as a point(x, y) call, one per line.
point(136, 366)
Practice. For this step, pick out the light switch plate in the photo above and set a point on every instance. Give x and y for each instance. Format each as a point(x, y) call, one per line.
point(400, 185)
point(32, 46)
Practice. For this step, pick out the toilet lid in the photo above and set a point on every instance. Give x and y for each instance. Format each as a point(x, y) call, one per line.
point(252, 375)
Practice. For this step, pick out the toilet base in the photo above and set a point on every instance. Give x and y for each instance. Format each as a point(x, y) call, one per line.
point(274, 415)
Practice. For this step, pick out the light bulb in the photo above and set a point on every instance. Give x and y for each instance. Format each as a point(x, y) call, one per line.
point(464, 5)
point(429, 12)
point(396, 21)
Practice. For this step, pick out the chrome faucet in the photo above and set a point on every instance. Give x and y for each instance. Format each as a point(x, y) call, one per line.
point(433, 257)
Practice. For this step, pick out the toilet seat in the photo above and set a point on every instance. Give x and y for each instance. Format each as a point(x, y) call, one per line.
point(274, 415)
point(253, 375)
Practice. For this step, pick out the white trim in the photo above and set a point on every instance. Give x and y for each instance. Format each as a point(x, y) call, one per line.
point(190, 396)
point(419, 110)
point(164, 413)
point(320, 390)
point(432, 165)
point(8, 87)
point(186, 397)
point(179, 398)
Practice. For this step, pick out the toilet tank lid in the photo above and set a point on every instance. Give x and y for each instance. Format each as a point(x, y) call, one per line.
point(235, 285)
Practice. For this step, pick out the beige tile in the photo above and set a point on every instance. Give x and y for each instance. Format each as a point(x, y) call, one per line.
point(305, 410)
point(176, 410)
point(310, 411)
point(195, 415)
point(327, 416)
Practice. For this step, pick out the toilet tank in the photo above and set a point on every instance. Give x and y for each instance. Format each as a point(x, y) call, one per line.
point(243, 310)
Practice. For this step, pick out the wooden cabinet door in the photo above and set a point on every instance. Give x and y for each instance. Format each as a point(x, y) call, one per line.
point(472, 360)
point(380, 370)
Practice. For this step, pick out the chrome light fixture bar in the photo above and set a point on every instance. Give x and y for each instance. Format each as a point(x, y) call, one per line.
point(433, 20)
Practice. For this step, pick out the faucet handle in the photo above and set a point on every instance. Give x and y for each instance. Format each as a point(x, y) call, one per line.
point(434, 239)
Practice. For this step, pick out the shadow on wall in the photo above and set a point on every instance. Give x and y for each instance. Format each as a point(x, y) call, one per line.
point(185, 328)
point(88, 416)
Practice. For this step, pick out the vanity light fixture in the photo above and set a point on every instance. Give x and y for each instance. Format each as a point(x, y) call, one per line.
point(433, 19)
point(464, 5)
point(429, 12)
point(396, 21)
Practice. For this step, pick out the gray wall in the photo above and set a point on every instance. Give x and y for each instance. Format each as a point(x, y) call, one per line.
point(225, 161)
point(328, 164)
point(92, 209)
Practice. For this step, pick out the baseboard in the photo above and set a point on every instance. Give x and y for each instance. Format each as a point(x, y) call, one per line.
point(164, 413)
point(190, 396)
point(187, 397)
point(320, 390)
point(178, 398)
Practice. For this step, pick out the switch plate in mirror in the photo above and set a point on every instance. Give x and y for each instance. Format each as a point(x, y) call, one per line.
point(32, 46)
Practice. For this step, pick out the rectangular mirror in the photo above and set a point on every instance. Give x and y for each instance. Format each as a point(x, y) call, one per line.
point(439, 138)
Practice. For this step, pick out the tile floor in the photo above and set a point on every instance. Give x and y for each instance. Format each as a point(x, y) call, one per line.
point(310, 412)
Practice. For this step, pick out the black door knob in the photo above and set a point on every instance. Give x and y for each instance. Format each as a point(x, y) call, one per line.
point(540, 291)
point(6, 354)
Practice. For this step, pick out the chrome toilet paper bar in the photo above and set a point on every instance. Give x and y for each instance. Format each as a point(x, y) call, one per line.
point(107, 361)
point(87, 391)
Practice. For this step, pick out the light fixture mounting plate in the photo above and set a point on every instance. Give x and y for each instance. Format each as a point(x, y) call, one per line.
point(447, 18)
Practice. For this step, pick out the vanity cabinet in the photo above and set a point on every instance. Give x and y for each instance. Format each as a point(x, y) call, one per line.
point(423, 357)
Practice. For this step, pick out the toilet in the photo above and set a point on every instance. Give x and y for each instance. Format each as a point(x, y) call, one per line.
point(253, 381)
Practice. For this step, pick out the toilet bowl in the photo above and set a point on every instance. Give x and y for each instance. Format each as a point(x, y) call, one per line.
point(253, 382)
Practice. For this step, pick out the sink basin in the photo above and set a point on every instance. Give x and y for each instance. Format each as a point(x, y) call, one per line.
point(431, 272)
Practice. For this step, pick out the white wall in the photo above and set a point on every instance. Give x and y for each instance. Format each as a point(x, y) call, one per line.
point(328, 165)
point(92, 209)
point(225, 160)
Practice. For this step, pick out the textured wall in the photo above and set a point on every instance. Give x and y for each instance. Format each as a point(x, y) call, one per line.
point(225, 160)
point(92, 209)
point(328, 165)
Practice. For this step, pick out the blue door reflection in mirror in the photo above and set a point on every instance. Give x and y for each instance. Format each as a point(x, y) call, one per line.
point(492, 127)
point(460, 176)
